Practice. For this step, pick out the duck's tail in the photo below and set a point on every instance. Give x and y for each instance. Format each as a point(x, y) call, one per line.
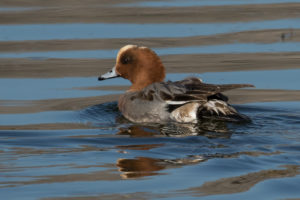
point(220, 110)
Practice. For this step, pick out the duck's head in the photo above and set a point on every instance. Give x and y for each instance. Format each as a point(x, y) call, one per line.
point(140, 65)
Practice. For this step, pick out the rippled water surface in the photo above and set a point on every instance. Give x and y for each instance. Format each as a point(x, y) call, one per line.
point(62, 136)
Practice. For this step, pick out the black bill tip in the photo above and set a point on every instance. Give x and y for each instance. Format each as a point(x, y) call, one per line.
point(100, 78)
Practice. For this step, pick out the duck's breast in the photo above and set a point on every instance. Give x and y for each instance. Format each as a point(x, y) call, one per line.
point(140, 110)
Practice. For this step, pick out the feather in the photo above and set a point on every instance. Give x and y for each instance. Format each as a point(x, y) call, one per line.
point(187, 90)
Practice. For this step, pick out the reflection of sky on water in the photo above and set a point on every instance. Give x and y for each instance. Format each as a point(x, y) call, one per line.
point(211, 49)
point(31, 168)
point(291, 105)
point(53, 88)
point(37, 118)
point(101, 30)
point(186, 3)
point(15, 9)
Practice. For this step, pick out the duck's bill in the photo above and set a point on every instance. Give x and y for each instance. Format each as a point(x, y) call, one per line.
point(111, 74)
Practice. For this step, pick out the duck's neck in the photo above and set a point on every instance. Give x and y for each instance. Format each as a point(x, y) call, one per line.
point(149, 70)
point(139, 85)
point(143, 80)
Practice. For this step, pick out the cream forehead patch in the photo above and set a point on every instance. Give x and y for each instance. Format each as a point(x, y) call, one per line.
point(129, 46)
point(125, 48)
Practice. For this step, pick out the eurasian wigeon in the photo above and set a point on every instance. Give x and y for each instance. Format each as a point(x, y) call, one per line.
point(149, 99)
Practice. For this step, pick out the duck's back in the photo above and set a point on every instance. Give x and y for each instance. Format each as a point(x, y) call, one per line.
point(189, 100)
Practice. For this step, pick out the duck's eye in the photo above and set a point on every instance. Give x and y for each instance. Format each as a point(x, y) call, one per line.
point(126, 60)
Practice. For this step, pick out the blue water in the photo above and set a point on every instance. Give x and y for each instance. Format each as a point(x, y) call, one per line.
point(16, 9)
point(40, 118)
point(57, 88)
point(191, 3)
point(26, 89)
point(212, 49)
point(171, 159)
point(66, 148)
point(117, 30)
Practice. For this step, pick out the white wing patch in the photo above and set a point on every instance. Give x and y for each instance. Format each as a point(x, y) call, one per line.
point(176, 102)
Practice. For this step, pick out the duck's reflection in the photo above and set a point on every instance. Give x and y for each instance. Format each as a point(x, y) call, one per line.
point(210, 129)
point(139, 167)
point(144, 166)
point(139, 131)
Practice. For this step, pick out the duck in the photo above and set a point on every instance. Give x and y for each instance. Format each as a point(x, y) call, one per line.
point(150, 99)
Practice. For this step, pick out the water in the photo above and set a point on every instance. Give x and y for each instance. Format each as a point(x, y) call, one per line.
point(212, 49)
point(62, 136)
point(115, 30)
point(177, 3)
point(94, 162)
